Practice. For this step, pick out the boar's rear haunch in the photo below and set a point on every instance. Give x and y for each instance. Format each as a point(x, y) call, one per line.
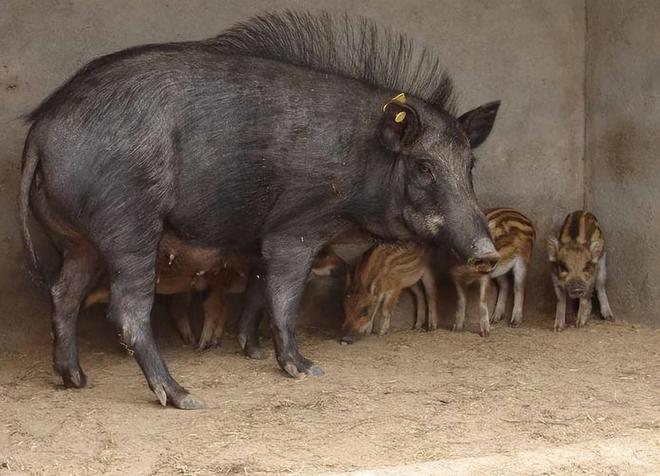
point(269, 139)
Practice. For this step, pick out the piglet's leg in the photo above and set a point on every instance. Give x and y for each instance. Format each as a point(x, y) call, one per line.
point(215, 317)
point(180, 312)
point(431, 291)
point(420, 305)
point(459, 320)
point(502, 297)
point(382, 326)
point(605, 309)
point(484, 318)
point(519, 278)
point(560, 313)
point(584, 311)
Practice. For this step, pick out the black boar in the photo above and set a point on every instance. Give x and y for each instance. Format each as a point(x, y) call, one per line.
point(269, 139)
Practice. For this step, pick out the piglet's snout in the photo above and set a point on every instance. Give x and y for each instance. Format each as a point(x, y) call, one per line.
point(575, 288)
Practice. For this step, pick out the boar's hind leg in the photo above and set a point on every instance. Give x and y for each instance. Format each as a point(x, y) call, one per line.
point(288, 264)
point(132, 285)
point(605, 309)
point(80, 268)
point(251, 315)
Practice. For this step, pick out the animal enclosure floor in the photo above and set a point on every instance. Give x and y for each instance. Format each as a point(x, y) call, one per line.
point(523, 401)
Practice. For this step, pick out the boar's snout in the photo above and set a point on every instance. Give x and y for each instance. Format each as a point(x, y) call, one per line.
point(482, 257)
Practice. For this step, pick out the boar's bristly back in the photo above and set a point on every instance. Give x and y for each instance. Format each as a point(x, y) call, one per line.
point(353, 47)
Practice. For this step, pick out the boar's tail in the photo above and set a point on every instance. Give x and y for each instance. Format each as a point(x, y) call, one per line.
point(29, 168)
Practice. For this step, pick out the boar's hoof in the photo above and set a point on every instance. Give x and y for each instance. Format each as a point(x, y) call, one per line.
point(180, 399)
point(73, 378)
point(484, 332)
point(255, 352)
point(559, 327)
point(457, 328)
point(299, 367)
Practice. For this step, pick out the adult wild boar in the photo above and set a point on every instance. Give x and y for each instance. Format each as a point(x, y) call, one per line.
point(271, 139)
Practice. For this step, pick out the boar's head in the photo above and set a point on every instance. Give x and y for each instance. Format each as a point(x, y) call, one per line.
point(575, 265)
point(433, 151)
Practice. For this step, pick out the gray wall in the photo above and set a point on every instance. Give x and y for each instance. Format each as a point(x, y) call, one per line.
point(529, 54)
point(623, 148)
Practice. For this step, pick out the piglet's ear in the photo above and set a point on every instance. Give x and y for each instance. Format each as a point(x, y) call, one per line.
point(478, 122)
point(596, 249)
point(552, 246)
point(399, 126)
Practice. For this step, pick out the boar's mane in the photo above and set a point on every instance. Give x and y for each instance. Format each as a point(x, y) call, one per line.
point(353, 47)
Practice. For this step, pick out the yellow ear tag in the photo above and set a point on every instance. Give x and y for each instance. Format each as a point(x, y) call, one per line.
point(400, 98)
point(400, 117)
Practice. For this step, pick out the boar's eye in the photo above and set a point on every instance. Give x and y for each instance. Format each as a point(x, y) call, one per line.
point(589, 267)
point(562, 268)
point(425, 172)
point(364, 310)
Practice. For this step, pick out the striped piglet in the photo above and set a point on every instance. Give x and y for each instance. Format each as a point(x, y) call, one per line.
point(578, 258)
point(513, 235)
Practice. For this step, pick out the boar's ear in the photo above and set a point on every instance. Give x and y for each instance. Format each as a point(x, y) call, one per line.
point(398, 127)
point(596, 249)
point(552, 245)
point(478, 122)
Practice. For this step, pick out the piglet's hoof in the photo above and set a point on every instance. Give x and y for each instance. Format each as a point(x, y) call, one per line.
point(300, 366)
point(559, 328)
point(515, 323)
point(457, 328)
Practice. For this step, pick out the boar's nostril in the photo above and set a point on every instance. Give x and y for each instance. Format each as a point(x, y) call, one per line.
point(484, 264)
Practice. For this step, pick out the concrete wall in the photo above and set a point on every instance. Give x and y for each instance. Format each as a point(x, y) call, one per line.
point(623, 140)
point(528, 54)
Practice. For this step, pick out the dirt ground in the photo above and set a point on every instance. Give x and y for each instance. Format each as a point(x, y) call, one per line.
point(523, 401)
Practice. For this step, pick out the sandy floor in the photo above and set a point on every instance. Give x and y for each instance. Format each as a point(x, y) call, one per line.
point(523, 401)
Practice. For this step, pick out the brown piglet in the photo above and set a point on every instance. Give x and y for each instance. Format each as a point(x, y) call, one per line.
point(380, 276)
point(578, 259)
point(513, 234)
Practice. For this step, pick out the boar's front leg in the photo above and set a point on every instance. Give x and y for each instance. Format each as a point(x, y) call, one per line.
point(605, 309)
point(560, 313)
point(288, 262)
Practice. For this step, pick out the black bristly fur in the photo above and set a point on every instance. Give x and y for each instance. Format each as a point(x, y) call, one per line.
point(350, 46)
